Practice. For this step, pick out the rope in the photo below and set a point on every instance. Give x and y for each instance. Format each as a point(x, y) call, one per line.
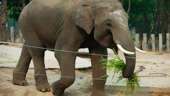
point(102, 78)
point(90, 54)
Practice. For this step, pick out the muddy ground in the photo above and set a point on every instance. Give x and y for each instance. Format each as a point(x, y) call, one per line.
point(154, 79)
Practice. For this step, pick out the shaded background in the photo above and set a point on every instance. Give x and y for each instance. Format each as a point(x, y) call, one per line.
point(145, 16)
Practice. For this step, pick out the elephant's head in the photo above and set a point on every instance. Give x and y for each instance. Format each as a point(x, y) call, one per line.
point(110, 24)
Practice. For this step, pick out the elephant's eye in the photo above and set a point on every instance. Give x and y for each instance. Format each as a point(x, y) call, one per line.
point(108, 23)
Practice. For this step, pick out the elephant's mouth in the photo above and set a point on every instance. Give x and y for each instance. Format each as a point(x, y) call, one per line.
point(130, 57)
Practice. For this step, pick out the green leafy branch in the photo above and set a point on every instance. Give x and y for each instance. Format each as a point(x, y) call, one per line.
point(132, 83)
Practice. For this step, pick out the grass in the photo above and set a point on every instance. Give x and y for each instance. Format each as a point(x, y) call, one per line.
point(132, 83)
point(3, 54)
point(5, 62)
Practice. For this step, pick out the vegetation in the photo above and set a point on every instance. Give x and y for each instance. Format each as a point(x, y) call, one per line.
point(148, 16)
point(118, 65)
point(9, 13)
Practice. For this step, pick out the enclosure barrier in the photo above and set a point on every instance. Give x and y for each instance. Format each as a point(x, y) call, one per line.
point(153, 43)
point(167, 42)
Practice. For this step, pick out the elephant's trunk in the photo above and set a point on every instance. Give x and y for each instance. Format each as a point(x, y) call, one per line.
point(130, 60)
point(128, 45)
point(130, 65)
point(126, 42)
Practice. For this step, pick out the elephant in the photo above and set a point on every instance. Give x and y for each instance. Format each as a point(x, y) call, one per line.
point(67, 26)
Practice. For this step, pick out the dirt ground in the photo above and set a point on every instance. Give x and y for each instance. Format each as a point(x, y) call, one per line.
point(81, 87)
point(154, 79)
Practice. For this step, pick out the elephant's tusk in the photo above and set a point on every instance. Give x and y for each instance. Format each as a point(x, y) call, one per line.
point(137, 49)
point(124, 50)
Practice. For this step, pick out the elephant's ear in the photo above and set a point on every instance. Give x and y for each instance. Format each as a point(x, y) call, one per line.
point(83, 18)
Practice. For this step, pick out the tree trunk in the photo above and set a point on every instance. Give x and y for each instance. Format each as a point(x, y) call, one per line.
point(158, 16)
point(3, 19)
point(168, 14)
point(23, 3)
point(129, 6)
point(169, 23)
point(164, 12)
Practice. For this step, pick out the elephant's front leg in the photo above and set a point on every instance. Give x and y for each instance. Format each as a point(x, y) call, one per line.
point(67, 66)
point(98, 71)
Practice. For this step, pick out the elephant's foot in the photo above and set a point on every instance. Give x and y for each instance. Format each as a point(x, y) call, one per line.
point(20, 82)
point(43, 87)
point(19, 79)
point(98, 93)
point(58, 89)
point(42, 84)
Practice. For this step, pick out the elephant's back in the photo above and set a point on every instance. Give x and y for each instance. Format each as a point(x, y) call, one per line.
point(45, 17)
point(47, 9)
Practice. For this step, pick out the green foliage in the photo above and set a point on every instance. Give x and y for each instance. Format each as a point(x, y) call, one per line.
point(132, 84)
point(134, 37)
point(14, 9)
point(118, 65)
point(14, 12)
point(141, 14)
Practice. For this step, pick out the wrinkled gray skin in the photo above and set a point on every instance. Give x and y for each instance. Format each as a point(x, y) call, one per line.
point(70, 25)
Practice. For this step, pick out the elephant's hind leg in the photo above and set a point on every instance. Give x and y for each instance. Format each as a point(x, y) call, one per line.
point(21, 69)
point(39, 69)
